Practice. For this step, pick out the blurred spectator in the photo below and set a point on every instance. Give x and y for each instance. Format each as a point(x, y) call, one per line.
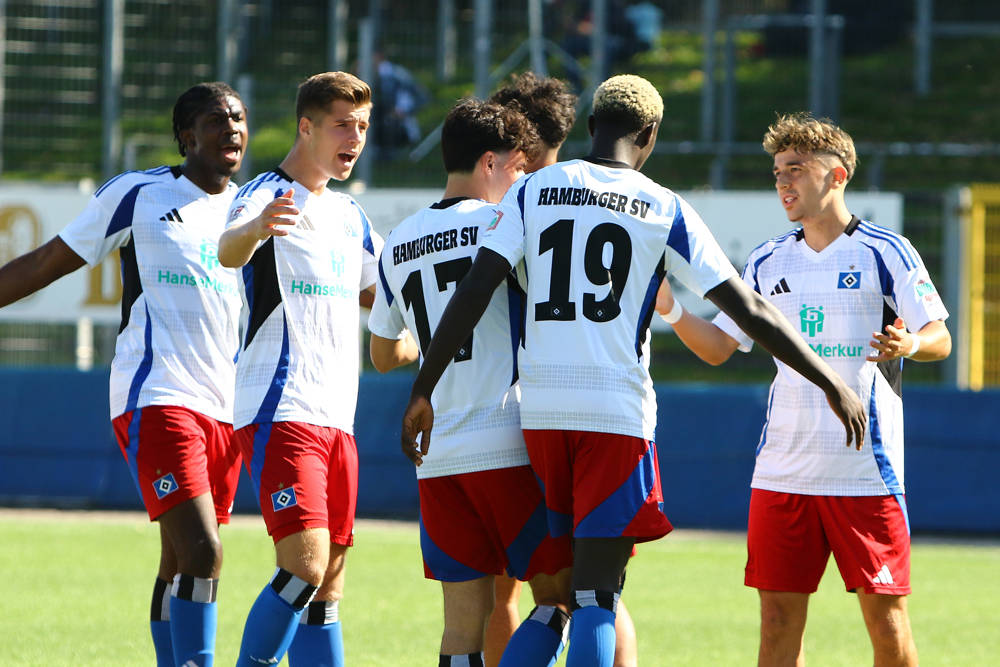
point(645, 18)
point(397, 98)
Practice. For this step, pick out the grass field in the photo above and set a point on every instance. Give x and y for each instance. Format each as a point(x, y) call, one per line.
point(75, 590)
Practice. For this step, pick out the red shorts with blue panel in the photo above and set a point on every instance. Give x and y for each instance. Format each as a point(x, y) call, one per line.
point(176, 454)
point(305, 476)
point(487, 523)
point(790, 538)
point(599, 484)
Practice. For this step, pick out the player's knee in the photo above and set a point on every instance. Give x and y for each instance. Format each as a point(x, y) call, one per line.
point(201, 556)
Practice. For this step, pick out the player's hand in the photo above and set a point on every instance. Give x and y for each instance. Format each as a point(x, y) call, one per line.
point(417, 420)
point(664, 298)
point(896, 342)
point(277, 217)
point(849, 410)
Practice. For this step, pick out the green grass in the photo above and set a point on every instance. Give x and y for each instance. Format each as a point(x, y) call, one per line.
point(75, 591)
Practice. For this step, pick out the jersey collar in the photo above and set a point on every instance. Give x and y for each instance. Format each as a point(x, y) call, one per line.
point(446, 203)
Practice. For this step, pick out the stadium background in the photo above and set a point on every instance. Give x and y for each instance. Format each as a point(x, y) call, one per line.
point(88, 85)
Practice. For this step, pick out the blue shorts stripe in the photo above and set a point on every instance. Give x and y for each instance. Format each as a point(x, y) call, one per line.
point(260, 439)
point(132, 448)
point(442, 566)
point(532, 534)
point(613, 515)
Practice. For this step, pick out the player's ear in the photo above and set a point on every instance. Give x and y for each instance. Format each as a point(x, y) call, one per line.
point(840, 175)
point(187, 139)
point(646, 135)
point(488, 162)
point(305, 126)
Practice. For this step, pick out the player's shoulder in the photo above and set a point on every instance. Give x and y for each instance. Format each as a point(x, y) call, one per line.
point(121, 185)
point(888, 243)
point(775, 244)
point(264, 184)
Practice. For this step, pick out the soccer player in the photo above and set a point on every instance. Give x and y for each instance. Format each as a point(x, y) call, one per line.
point(172, 374)
point(841, 278)
point(308, 256)
point(596, 238)
point(548, 103)
point(481, 509)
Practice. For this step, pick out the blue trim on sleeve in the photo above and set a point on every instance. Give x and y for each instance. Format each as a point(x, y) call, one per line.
point(678, 239)
point(895, 240)
point(644, 312)
point(122, 217)
point(385, 283)
point(366, 228)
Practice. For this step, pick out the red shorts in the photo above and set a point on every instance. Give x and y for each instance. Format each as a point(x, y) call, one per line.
point(305, 476)
point(599, 484)
point(176, 454)
point(790, 537)
point(480, 523)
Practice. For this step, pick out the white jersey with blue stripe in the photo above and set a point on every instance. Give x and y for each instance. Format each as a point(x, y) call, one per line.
point(300, 321)
point(178, 337)
point(837, 298)
point(476, 421)
point(596, 241)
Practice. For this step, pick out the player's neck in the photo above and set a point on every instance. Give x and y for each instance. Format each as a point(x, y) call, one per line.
point(826, 227)
point(209, 181)
point(465, 185)
point(302, 169)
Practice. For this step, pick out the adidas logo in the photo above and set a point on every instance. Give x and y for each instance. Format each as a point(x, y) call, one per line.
point(172, 216)
point(781, 288)
point(883, 577)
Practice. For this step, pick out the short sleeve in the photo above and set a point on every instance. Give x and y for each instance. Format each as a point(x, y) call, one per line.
point(372, 245)
point(385, 320)
point(106, 223)
point(693, 255)
point(504, 234)
point(917, 299)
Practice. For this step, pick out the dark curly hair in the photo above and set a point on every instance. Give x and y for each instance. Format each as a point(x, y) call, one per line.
point(473, 127)
point(547, 102)
point(193, 102)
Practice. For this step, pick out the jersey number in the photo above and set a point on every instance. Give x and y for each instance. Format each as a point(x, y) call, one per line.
point(559, 239)
point(451, 271)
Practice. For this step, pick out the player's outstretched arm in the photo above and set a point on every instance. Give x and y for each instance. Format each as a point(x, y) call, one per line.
point(931, 343)
point(238, 244)
point(459, 318)
point(34, 270)
point(766, 325)
point(389, 353)
point(709, 342)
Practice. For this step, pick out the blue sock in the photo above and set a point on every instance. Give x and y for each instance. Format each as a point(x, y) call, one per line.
point(538, 640)
point(193, 619)
point(319, 639)
point(159, 624)
point(273, 619)
point(592, 630)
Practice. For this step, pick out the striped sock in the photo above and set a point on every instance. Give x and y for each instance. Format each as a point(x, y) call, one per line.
point(538, 640)
point(159, 624)
point(319, 639)
point(193, 616)
point(592, 630)
point(273, 619)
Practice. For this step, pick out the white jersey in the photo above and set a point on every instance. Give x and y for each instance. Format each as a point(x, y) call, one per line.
point(300, 355)
point(836, 298)
point(178, 336)
point(476, 421)
point(596, 242)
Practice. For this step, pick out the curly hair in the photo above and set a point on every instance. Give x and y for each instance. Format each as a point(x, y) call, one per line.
point(193, 101)
point(629, 101)
point(473, 127)
point(547, 102)
point(804, 134)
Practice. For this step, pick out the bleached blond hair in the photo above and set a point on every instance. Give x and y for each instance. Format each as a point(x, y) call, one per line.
point(804, 134)
point(628, 100)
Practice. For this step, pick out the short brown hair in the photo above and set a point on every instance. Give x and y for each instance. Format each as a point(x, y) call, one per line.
point(547, 102)
point(473, 127)
point(804, 134)
point(319, 91)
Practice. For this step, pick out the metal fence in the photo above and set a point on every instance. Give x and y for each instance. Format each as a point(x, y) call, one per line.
point(87, 85)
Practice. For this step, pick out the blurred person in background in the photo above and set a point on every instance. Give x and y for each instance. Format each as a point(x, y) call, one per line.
point(173, 375)
point(551, 107)
point(865, 302)
point(308, 258)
